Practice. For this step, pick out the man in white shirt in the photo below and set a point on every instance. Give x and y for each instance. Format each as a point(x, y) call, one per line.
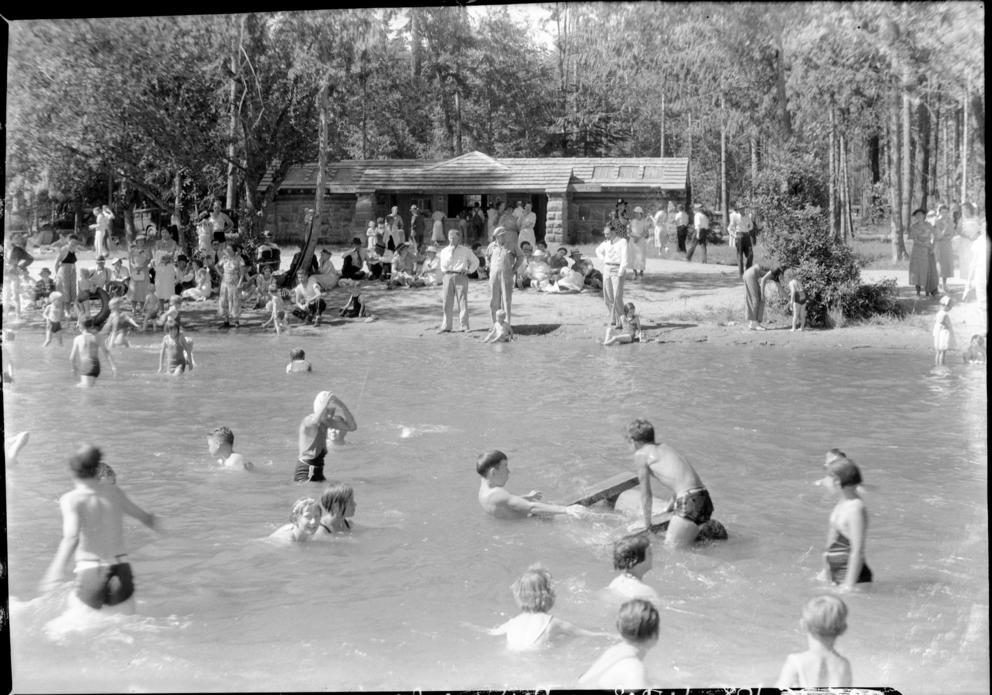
point(681, 228)
point(527, 223)
point(457, 261)
point(739, 229)
point(701, 226)
point(613, 253)
point(310, 305)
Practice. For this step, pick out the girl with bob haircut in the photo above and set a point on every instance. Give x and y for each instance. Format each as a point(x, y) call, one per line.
point(844, 559)
point(337, 503)
point(535, 627)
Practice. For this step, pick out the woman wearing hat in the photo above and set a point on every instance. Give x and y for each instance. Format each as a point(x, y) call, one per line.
point(922, 265)
point(638, 247)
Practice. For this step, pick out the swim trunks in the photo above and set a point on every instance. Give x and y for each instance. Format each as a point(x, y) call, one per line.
point(90, 367)
point(694, 505)
point(99, 585)
point(838, 556)
point(302, 473)
point(54, 326)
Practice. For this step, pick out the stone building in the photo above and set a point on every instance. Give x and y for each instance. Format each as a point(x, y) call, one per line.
point(571, 196)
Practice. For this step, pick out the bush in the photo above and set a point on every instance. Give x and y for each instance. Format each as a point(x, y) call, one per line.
point(866, 301)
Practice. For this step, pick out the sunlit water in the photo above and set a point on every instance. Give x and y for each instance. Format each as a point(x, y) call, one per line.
point(404, 602)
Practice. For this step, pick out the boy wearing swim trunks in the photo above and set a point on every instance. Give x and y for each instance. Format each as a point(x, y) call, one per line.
point(498, 501)
point(313, 435)
point(691, 503)
point(93, 531)
point(84, 358)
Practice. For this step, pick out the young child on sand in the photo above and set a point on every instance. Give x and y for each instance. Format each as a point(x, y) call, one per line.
point(622, 665)
point(501, 332)
point(53, 313)
point(631, 327)
point(337, 503)
point(535, 627)
point(632, 557)
point(84, 357)
point(220, 443)
point(824, 620)
point(118, 322)
point(304, 519)
point(495, 499)
point(298, 362)
point(975, 354)
point(276, 307)
point(176, 352)
point(943, 331)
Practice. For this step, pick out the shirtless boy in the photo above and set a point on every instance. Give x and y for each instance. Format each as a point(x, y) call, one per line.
point(691, 503)
point(495, 499)
point(313, 435)
point(220, 444)
point(84, 358)
point(93, 530)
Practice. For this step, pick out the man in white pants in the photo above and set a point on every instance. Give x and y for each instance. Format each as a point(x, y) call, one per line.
point(613, 253)
point(457, 262)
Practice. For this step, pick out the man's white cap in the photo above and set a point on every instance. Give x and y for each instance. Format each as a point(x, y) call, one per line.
point(321, 401)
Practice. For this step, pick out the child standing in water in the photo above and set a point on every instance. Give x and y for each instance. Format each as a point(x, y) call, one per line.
point(277, 311)
point(630, 331)
point(844, 559)
point(622, 665)
point(824, 620)
point(53, 313)
point(337, 503)
point(535, 627)
point(118, 322)
point(176, 352)
point(797, 302)
point(84, 358)
point(943, 331)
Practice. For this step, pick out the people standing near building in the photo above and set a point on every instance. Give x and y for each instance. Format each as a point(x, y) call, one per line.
point(508, 221)
point(457, 261)
point(701, 230)
point(659, 226)
point(492, 217)
point(527, 223)
point(477, 225)
point(417, 228)
point(637, 248)
point(614, 256)
point(502, 259)
point(739, 229)
point(437, 227)
point(681, 228)
point(394, 228)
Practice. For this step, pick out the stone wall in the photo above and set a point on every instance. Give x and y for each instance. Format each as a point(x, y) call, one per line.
point(556, 222)
point(285, 218)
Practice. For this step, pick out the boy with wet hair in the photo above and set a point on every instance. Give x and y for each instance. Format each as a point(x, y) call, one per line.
point(824, 620)
point(93, 531)
point(220, 444)
point(632, 556)
point(622, 665)
point(494, 469)
point(298, 362)
point(691, 502)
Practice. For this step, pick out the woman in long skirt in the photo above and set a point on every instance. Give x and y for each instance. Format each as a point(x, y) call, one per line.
point(922, 265)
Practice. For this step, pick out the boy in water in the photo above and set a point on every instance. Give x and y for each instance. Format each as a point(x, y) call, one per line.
point(84, 358)
point(93, 531)
point(220, 444)
point(53, 313)
point(691, 503)
point(622, 665)
point(298, 362)
point(313, 435)
point(824, 620)
point(495, 499)
point(632, 556)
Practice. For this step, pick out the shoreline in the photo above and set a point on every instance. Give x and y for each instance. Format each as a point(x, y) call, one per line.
point(678, 302)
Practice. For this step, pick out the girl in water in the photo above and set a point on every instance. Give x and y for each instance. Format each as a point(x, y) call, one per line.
point(630, 331)
point(337, 503)
point(304, 519)
point(943, 331)
point(177, 351)
point(535, 627)
point(117, 324)
point(844, 558)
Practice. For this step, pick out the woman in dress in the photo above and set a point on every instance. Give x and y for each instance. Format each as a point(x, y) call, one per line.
point(922, 265)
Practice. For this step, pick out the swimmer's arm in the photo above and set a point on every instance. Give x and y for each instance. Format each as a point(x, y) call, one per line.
point(858, 525)
point(500, 630)
point(525, 506)
point(161, 356)
point(566, 628)
point(67, 546)
point(346, 421)
point(188, 347)
point(644, 482)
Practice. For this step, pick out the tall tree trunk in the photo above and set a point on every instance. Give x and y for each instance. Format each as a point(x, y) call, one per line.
point(783, 107)
point(964, 145)
point(832, 176)
point(958, 149)
point(723, 163)
point(415, 41)
point(946, 188)
point(365, 117)
point(869, 211)
point(847, 221)
point(923, 144)
point(458, 119)
point(318, 201)
point(661, 149)
point(688, 188)
point(907, 154)
point(232, 130)
point(77, 215)
point(935, 190)
point(894, 149)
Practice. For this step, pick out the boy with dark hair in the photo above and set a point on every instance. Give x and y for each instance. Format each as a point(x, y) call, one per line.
point(220, 444)
point(622, 665)
point(496, 500)
point(632, 556)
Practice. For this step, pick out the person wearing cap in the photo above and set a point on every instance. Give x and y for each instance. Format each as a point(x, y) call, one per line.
point(329, 413)
point(503, 257)
point(417, 227)
point(922, 265)
point(327, 276)
point(614, 256)
point(527, 222)
point(100, 276)
point(118, 273)
point(739, 230)
point(430, 274)
point(637, 245)
point(456, 263)
point(701, 230)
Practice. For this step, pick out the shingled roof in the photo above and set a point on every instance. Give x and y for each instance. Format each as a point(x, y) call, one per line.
point(477, 171)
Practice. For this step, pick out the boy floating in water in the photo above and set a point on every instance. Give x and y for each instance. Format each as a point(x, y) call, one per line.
point(220, 444)
point(313, 435)
point(496, 500)
point(93, 530)
point(622, 665)
point(824, 620)
point(691, 504)
point(84, 358)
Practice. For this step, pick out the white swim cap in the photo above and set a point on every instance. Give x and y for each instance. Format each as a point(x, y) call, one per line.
point(321, 401)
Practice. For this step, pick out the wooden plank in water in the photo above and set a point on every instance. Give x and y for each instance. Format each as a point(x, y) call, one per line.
point(608, 489)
